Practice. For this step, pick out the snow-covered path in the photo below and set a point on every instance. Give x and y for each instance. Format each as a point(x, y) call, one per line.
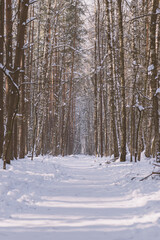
point(78, 197)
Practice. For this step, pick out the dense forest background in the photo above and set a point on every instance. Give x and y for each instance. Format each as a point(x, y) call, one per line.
point(79, 78)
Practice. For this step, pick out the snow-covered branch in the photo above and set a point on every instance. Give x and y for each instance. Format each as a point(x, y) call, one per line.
point(32, 1)
point(29, 20)
point(8, 74)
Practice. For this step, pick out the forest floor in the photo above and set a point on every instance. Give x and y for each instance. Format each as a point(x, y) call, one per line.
point(78, 198)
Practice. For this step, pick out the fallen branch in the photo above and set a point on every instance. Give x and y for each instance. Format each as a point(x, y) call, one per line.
point(146, 177)
point(155, 164)
point(153, 173)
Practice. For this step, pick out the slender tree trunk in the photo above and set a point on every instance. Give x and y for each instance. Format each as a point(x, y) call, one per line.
point(9, 66)
point(63, 116)
point(22, 111)
point(134, 134)
point(100, 80)
point(137, 136)
point(1, 75)
point(62, 141)
point(67, 125)
point(112, 91)
point(123, 84)
point(147, 119)
point(95, 92)
point(154, 82)
point(105, 97)
point(71, 86)
point(15, 124)
point(95, 107)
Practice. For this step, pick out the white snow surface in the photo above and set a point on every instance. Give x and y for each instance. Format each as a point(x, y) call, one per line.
point(78, 198)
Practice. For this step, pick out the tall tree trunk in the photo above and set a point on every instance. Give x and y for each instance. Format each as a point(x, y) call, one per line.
point(147, 119)
point(15, 123)
point(22, 111)
point(95, 92)
point(134, 134)
point(68, 123)
point(1, 75)
point(95, 108)
point(123, 84)
point(14, 99)
point(153, 71)
point(112, 91)
point(100, 79)
point(9, 66)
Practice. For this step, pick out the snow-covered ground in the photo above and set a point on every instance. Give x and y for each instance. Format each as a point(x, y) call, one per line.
point(78, 198)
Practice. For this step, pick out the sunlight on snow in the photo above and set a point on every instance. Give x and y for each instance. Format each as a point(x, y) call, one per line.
point(76, 221)
point(78, 198)
point(131, 201)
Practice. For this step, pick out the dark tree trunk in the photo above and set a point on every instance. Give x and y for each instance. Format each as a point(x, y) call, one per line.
point(154, 81)
point(14, 97)
point(1, 75)
point(9, 87)
point(122, 80)
point(22, 111)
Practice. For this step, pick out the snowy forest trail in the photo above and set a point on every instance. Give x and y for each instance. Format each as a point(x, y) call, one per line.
point(78, 197)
